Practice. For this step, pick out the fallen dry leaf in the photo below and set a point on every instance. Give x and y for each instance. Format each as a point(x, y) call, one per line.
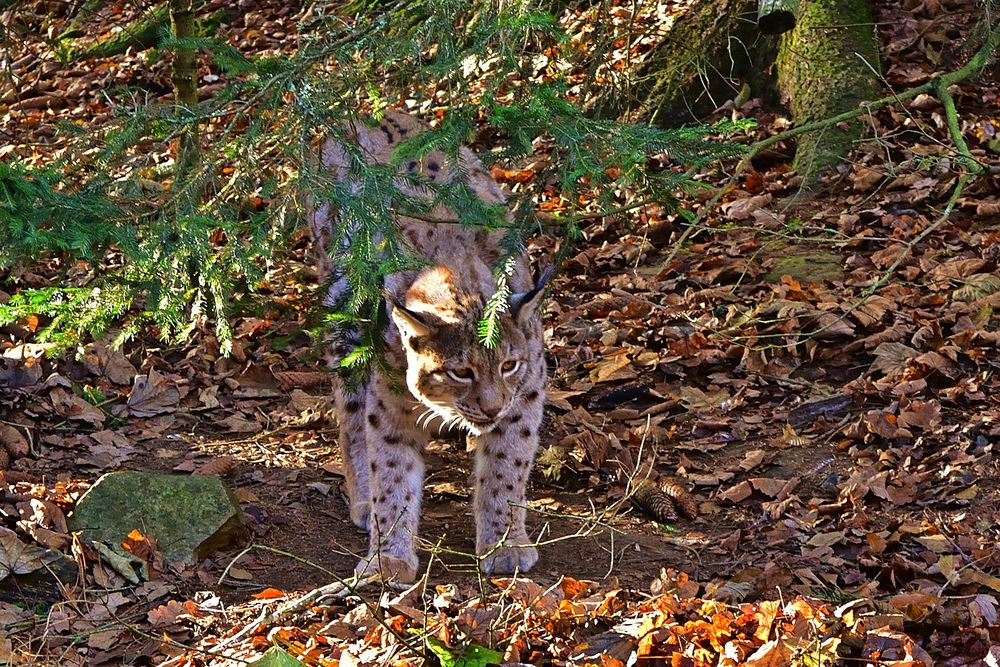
point(112, 364)
point(16, 557)
point(152, 395)
point(71, 406)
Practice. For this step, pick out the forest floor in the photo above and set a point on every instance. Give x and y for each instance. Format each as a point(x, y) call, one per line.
point(840, 442)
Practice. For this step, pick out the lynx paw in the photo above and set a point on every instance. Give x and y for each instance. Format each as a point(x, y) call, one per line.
point(389, 567)
point(507, 559)
point(360, 512)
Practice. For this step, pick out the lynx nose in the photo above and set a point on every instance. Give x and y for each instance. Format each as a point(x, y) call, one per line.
point(490, 412)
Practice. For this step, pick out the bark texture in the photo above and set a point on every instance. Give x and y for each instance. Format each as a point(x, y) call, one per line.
point(827, 65)
point(704, 60)
point(185, 81)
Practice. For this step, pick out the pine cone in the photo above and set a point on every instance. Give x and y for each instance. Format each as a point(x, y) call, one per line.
point(219, 467)
point(13, 441)
point(682, 500)
point(289, 380)
point(655, 503)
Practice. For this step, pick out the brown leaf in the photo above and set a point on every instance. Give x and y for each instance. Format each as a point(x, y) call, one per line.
point(47, 514)
point(49, 539)
point(165, 615)
point(737, 493)
point(613, 367)
point(955, 269)
point(895, 649)
point(770, 487)
point(865, 178)
point(16, 557)
point(112, 364)
point(153, 394)
point(880, 423)
point(754, 458)
point(925, 415)
point(893, 358)
point(876, 543)
point(977, 286)
point(71, 406)
point(741, 209)
point(915, 604)
point(240, 424)
point(696, 399)
point(871, 311)
point(938, 362)
point(288, 380)
point(826, 539)
point(775, 653)
point(984, 579)
point(988, 209)
point(939, 544)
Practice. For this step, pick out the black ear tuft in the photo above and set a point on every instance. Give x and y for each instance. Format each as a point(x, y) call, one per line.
point(409, 322)
point(524, 304)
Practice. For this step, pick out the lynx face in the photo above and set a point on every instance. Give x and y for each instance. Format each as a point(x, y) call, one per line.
point(458, 379)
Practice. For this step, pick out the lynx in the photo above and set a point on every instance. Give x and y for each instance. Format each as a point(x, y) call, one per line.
point(495, 395)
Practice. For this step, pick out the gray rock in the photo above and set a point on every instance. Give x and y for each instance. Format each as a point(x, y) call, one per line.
point(190, 516)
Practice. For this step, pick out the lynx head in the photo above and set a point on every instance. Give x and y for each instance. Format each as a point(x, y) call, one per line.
point(448, 369)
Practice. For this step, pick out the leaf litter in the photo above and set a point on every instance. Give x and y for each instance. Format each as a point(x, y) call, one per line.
point(836, 448)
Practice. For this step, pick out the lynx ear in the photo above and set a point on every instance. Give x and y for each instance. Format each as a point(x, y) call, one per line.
point(524, 304)
point(413, 324)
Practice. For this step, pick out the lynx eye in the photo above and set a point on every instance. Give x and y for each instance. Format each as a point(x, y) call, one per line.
point(510, 366)
point(462, 374)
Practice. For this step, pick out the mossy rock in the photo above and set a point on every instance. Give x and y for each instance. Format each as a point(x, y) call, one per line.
point(190, 516)
point(807, 267)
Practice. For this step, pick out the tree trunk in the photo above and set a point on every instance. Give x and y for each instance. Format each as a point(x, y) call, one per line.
point(827, 65)
point(706, 58)
point(185, 81)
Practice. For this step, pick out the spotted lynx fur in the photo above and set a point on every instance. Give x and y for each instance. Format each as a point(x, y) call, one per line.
point(495, 395)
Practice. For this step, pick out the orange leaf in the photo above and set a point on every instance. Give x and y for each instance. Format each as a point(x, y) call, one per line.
point(139, 545)
point(268, 594)
point(573, 587)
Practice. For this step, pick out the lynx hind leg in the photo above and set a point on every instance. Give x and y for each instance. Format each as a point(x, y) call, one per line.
point(504, 459)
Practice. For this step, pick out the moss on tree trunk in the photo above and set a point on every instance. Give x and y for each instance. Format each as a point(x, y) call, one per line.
point(827, 65)
point(143, 34)
point(704, 60)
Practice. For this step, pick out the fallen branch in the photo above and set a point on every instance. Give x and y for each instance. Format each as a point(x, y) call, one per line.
point(342, 588)
point(339, 588)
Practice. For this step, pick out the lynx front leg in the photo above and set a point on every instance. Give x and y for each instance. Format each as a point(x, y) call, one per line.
point(395, 455)
point(354, 450)
point(504, 457)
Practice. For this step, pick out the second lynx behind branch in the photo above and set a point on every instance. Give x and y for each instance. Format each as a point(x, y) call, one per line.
point(496, 394)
